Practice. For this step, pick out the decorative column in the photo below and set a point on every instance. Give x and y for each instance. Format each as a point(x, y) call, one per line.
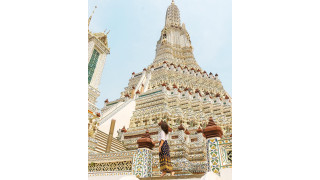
point(187, 140)
point(142, 88)
point(213, 133)
point(142, 160)
point(109, 140)
point(133, 92)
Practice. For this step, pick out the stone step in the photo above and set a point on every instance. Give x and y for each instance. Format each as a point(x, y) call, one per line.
point(99, 151)
point(102, 142)
point(101, 147)
point(194, 176)
point(101, 138)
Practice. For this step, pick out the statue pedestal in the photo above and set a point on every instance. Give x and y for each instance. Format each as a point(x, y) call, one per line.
point(142, 163)
point(213, 133)
point(213, 155)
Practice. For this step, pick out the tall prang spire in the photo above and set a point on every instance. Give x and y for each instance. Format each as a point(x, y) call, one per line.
point(89, 20)
point(172, 15)
point(174, 45)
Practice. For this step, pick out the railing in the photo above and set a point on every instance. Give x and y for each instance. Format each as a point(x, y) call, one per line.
point(115, 111)
point(111, 163)
point(135, 130)
point(110, 166)
point(199, 167)
point(92, 107)
point(110, 107)
point(114, 156)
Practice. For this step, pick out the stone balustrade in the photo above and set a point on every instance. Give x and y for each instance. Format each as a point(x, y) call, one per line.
point(114, 156)
point(111, 164)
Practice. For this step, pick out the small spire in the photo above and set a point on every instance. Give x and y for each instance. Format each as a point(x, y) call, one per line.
point(105, 31)
point(199, 130)
point(124, 129)
point(181, 127)
point(172, 2)
point(91, 15)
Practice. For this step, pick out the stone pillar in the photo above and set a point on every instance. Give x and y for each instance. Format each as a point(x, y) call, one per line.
point(142, 160)
point(133, 92)
point(109, 141)
point(213, 133)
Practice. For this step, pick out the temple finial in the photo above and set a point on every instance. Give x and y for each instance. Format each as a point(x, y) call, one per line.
point(91, 15)
point(105, 31)
point(172, 2)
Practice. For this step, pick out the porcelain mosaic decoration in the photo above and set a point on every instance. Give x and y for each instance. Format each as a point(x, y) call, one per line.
point(142, 163)
point(213, 155)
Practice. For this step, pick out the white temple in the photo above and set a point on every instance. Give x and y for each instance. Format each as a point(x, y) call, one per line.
point(173, 88)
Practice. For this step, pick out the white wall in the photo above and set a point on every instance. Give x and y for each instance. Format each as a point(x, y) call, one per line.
point(226, 174)
point(122, 119)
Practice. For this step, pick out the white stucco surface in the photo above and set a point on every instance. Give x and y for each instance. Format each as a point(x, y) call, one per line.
point(226, 174)
point(122, 118)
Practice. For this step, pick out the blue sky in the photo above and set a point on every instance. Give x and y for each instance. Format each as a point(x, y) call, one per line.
point(135, 27)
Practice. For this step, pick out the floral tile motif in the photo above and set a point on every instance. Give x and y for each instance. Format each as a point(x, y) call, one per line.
point(213, 155)
point(142, 163)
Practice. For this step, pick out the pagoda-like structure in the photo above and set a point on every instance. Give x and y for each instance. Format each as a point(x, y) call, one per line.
point(175, 89)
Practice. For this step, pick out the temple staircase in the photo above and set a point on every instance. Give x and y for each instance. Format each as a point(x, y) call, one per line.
point(102, 137)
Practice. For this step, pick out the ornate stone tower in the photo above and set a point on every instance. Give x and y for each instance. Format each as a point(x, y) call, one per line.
point(97, 53)
point(175, 89)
